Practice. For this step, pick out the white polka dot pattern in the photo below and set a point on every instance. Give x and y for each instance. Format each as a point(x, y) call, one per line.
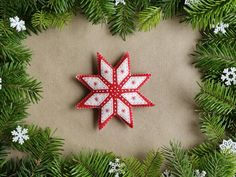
point(122, 71)
point(96, 99)
point(107, 110)
point(123, 111)
point(95, 83)
point(134, 82)
point(134, 98)
point(106, 71)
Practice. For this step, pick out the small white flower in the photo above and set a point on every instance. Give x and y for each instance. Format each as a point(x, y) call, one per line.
point(117, 167)
point(228, 145)
point(220, 27)
point(200, 174)
point(0, 83)
point(189, 2)
point(20, 135)
point(119, 1)
point(229, 76)
point(167, 173)
point(15, 22)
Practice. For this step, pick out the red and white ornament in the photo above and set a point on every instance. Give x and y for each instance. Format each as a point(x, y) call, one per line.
point(114, 90)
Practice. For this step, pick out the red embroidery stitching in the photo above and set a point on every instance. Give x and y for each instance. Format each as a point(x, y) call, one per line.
point(112, 90)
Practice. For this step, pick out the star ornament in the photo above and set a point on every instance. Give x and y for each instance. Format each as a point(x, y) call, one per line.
point(114, 90)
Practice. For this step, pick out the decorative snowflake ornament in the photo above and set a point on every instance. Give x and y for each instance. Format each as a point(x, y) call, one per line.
point(20, 135)
point(220, 27)
point(228, 145)
point(119, 1)
point(15, 22)
point(114, 90)
point(200, 174)
point(0, 83)
point(229, 76)
point(167, 173)
point(117, 168)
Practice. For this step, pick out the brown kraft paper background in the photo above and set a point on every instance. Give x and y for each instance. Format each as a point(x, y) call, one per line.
point(58, 55)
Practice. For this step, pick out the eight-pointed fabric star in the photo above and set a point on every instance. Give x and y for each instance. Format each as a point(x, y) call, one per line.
point(114, 90)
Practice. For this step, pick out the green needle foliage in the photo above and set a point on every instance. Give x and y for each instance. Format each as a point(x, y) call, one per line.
point(45, 20)
point(41, 155)
point(213, 127)
point(212, 59)
point(178, 161)
point(122, 22)
point(12, 113)
point(216, 98)
point(205, 13)
point(17, 84)
point(220, 39)
point(149, 18)
point(91, 164)
point(169, 8)
point(212, 164)
point(97, 11)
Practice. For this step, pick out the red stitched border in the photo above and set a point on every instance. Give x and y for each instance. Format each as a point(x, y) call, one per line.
point(100, 58)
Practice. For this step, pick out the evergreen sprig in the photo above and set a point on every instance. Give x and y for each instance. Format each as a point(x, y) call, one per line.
point(149, 18)
point(216, 98)
point(205, 13)
point(122, 22)
point(42, 153)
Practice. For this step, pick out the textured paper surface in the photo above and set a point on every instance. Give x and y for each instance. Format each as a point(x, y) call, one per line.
point(58, 55)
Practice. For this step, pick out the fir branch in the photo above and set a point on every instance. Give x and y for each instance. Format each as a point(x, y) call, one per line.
point(205, 13)
point(59, 6)
point(149, 18)
point(42, 149)
point(213, 59)
point(178, 161)
point(218, 164)
point(94, 164)
point(97, 11)
point(44, 20)
point(122, 22)
point(169, 8)
point(141, 4)
point(220, 39)
point(152, 164)
point(11, 114)
point(134, 167)
point(11, 51)
point(17, 84)
point(216, 98)
point(212, 126)
point(199, 151)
